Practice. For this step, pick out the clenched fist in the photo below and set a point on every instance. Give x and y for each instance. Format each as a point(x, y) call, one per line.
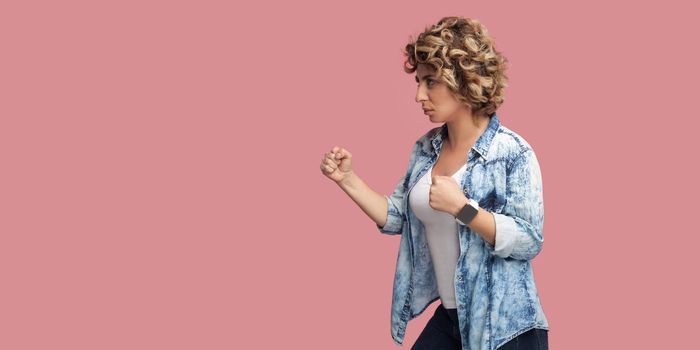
point(445, 194)
point(336, 164)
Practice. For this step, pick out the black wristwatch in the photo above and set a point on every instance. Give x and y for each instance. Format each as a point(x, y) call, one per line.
point(468, 212)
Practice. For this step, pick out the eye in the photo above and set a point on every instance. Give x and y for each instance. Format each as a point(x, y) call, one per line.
point(430, 82)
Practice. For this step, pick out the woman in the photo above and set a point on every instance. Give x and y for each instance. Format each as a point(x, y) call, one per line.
point(469, 208)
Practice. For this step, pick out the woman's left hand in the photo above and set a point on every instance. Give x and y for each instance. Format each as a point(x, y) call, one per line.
point(445, 195)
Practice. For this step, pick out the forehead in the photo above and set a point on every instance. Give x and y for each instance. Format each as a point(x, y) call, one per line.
point(424, 69)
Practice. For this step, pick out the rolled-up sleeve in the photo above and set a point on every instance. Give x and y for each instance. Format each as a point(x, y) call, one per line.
point(395, 210)
point(519, 225)
point(394, 218)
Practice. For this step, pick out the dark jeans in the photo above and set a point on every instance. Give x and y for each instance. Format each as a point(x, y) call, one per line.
point(442, 332)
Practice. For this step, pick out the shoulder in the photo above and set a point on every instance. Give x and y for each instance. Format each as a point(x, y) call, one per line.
point(424, 141)
point(509, 145)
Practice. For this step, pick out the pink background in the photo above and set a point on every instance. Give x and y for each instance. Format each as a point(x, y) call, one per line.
point(161, 185)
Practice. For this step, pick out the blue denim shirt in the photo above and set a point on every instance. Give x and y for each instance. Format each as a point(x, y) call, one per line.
point(494, 285)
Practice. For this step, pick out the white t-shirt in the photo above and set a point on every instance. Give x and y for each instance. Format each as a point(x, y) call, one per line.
point(441, 231)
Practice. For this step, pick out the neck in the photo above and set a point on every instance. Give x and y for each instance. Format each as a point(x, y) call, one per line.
point(462, 132)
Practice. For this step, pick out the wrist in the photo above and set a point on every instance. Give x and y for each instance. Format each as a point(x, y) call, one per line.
point(346, 179)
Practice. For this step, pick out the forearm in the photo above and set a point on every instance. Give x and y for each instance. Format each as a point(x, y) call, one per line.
point(372, 203)
point(483, 223)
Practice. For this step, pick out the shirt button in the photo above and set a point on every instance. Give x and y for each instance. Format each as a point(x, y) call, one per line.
point(459, 278)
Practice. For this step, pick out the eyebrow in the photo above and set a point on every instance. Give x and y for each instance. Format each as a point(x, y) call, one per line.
point(425, 76)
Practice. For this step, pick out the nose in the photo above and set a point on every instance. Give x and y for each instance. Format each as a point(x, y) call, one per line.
point(420, 94)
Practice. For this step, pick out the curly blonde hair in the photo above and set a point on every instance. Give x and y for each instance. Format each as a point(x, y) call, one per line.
point(465, 59)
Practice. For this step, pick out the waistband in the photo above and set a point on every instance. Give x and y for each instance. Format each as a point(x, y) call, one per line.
point(452, 313)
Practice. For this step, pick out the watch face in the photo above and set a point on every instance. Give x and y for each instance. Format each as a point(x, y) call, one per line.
point(467, 214)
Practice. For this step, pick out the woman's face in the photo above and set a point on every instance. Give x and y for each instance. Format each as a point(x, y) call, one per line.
point(436, 99)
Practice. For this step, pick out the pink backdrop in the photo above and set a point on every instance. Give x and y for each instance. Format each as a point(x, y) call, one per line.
point(161, 185)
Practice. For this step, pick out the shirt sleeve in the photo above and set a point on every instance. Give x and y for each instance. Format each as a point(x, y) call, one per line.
point(395, 210)
point(519, 225)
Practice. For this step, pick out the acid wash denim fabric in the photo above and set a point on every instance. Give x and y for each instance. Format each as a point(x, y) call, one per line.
point(494, 285)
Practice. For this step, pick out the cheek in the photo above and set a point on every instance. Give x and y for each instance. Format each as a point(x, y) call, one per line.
point(449, 104)
point(443, 98)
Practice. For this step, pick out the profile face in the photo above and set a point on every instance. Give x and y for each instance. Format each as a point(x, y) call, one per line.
point(435, 96)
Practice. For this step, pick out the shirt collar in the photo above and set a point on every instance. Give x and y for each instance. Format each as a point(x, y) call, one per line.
point(482, 143)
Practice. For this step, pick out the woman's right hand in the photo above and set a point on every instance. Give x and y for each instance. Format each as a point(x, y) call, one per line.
point(336, 164)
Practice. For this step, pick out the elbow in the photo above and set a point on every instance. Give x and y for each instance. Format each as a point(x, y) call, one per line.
point(528, 250)
point(516, 238)
point(388, 230)
point(393, 225)
point(394, 220)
